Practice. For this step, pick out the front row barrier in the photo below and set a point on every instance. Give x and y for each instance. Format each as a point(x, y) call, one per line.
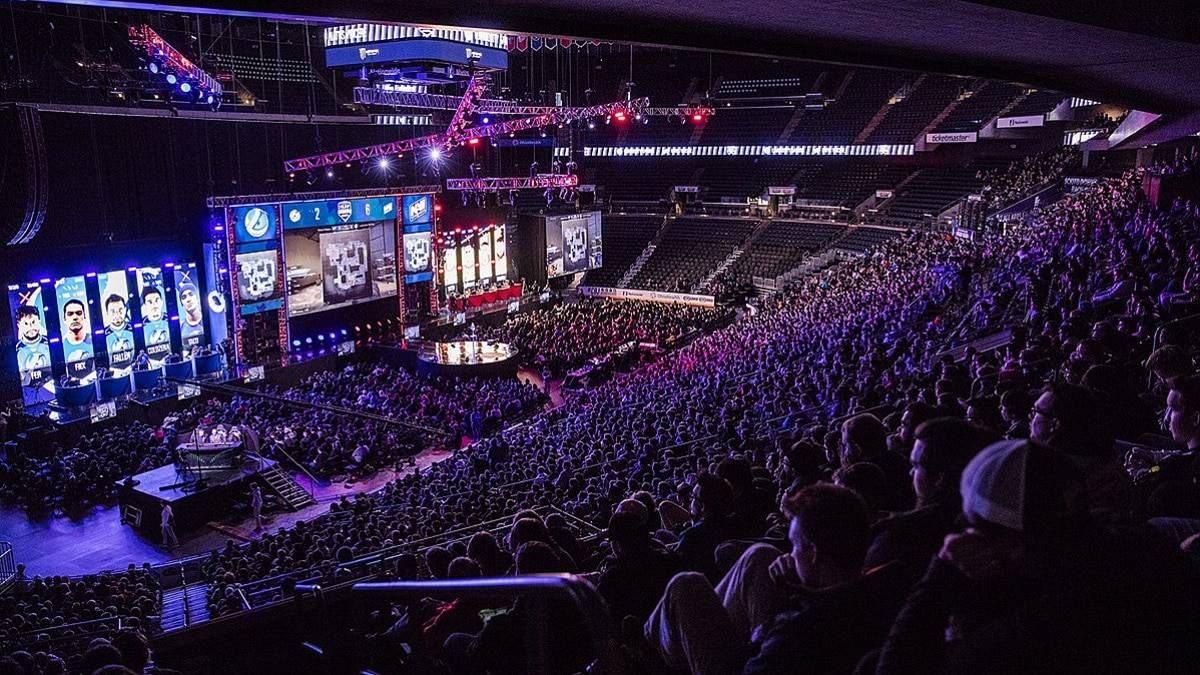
point(536, 590)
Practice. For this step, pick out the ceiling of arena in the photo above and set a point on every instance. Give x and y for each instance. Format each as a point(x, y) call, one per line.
point(1144, 55)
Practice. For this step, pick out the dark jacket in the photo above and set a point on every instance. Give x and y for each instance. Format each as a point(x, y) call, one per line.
point(1102, 603)
point(912, 538)
point(699, 542)
point(633, 582)
point(833, 630)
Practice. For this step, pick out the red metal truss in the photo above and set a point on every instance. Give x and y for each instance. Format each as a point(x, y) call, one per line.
point(157, 48)
point(541, 181)
point(559, 116)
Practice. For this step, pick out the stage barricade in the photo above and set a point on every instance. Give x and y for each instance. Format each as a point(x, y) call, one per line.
point(180, 371)
point(75, 396)
point(148, 378)
point(115, 386)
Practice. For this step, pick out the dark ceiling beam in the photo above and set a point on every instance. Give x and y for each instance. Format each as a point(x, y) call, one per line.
point(1048, 48)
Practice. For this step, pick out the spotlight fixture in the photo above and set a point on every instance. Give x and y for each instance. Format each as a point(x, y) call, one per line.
point(329, 172)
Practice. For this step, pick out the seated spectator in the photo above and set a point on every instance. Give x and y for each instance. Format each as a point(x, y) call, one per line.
point(943, 447)
point(813, 610)
point(711, 501)
point(864, 439)
point(1030, 586)
point(634, 576)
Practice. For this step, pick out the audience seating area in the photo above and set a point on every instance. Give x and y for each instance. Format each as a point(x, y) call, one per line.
point(779, 248)
point(929, 193)
point(864, 238)
point(842, 119)
point(688, 249)
point(625, 237)
point(916, 111)
point(973, 113)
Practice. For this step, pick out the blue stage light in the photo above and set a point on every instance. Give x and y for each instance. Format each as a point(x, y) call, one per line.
point(487, 120)
point(185, 87)
point(295, 343)
point(321, 338)
point(171, 79)
point(153, 67)
point(209, 100)
point(308, 341)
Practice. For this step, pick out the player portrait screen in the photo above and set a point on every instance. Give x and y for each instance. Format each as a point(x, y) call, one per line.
point(332, 267)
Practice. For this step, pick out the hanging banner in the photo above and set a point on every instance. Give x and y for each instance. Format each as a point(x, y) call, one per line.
point(781, 190)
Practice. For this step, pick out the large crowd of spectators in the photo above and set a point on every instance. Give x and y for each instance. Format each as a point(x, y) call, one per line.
point(1021, 177)
point(76, 476)
point(73, 477)
point(567, 334)
point(822, 487)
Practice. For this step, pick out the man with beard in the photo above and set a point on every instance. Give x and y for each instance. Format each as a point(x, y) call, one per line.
point(33, 350)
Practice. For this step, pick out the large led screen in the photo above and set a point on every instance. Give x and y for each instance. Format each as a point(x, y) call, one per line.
point(485, 257)
point(335, 267)
point(467, 251)
point(32, 341)
point(573, 243)
point(450, 266)
point(75, 324)
point(257, 272)
point(418, 251)
point(118, 327)
point(500, 253)
point(156, 332)
point(190, 305)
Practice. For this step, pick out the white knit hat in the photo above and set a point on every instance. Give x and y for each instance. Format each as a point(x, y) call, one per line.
point(993, 484)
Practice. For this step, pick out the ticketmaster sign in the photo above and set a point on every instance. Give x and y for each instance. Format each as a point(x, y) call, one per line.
point(960, 137)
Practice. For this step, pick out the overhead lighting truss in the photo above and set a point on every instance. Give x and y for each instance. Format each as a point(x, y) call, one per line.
point(538, 182)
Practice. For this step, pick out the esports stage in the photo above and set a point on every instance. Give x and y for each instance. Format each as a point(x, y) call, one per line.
point(467, 358)
point(214, 470)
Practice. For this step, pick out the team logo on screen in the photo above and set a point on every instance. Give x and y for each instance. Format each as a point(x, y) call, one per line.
point(388, 207)
point(259, 275)
point(344, 210)
point(294, 215)
point(216, 302)
point(257, 222)
point(349, 263)
point(417, 210)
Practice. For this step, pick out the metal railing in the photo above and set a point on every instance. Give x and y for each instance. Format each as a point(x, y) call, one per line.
point(536, 591)
point(8, 565)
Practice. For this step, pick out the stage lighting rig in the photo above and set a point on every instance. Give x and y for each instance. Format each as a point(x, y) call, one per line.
point(187, 81)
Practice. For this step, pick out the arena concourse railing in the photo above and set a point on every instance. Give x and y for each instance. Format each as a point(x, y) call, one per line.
point(8, 565)
point(536, 592)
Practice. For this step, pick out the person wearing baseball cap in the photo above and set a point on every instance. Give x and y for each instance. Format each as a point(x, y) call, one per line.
point(1034, 585)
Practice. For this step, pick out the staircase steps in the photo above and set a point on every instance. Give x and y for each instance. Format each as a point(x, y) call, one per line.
point(791, 125)
point(944, 114)
point(282, 484)
point(879, 115)
point(708, 278)
point(184, 606)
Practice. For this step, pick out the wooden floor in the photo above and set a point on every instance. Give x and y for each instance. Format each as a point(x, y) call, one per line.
point(98, 541)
